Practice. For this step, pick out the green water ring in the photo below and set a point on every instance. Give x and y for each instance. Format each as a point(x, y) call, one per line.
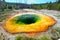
point(26, 19)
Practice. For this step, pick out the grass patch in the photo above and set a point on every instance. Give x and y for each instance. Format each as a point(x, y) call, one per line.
point(4, 14)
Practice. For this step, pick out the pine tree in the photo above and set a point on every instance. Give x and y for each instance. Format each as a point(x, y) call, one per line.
point(58, 1)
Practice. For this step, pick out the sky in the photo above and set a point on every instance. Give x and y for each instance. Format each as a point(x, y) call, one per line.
point(30, 1)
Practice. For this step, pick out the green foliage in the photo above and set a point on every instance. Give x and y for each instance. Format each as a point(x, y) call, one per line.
point(24, 38)
point(58, 7)
point(42, 37)
point(50, 6)
point(45, 37)
point(36, 7)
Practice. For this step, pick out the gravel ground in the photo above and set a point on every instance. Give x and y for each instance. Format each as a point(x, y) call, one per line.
point(53, 13)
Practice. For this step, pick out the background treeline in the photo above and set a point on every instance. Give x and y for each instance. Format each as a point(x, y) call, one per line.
point(50, 6)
